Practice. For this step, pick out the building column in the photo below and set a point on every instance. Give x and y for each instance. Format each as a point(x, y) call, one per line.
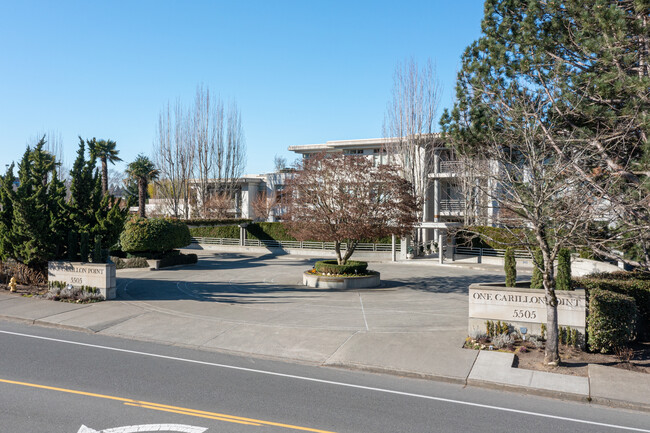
point(393, 249)
point(441, 245)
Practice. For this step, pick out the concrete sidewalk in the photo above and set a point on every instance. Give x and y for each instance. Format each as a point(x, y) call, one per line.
point(414, 325)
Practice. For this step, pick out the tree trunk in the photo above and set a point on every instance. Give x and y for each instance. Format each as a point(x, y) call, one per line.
point(142, 189)
point(104, 176)
point(337, 249)
point(352, 245)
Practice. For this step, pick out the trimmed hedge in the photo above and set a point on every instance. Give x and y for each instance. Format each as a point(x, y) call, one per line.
point(634, 284)
point(510, 267)
point(215, 232)
point(499, 238)
point(332, 267)
point(135, 262)
point(263, 231)
point(154, 235)
point(269, 232)
point(611, 320)
point(563, 275)
point(214, 222)
point(179, 259)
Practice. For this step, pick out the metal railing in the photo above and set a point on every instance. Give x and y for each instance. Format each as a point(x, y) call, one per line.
point(293, 244)
point(451, 166)
point(489, 252)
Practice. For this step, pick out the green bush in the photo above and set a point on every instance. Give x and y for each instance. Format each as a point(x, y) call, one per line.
point(496, 238)
point(332, 267)
point(269, 232)
point(611, 320)
point(215, 232)
point(84, 247)
point(563, 277)
point(634, 284)
point(260, 231)
point(510, 267)
point(154, 235)
point(537, 280)
point(73, 244)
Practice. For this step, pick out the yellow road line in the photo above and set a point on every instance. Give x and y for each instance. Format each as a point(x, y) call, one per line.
point(191, 413)
point(175, 409)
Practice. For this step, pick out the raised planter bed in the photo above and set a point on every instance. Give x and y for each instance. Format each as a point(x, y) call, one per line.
point(339, 282)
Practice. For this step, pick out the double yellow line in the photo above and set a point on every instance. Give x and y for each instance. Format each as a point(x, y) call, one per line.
point(172, 409)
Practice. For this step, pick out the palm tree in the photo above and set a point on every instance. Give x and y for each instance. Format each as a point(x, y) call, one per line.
point(106, 152)
point(144, 171)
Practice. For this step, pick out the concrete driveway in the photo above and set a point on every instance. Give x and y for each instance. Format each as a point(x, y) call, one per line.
point(256, 304)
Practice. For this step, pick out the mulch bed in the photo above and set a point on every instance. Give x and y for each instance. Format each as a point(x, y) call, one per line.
point(575, 361)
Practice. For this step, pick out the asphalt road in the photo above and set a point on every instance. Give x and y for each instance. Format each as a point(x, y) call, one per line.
point(54, 380)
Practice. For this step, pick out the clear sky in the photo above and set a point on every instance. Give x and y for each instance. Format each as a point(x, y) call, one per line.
point(302, 72)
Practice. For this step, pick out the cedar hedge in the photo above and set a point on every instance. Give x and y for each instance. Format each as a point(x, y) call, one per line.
point(154, 235)
point(634, 284)
point(263, 231)
point(332, 267)
point(611, 321)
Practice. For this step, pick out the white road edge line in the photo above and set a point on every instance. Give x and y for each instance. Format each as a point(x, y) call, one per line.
point(329, 382)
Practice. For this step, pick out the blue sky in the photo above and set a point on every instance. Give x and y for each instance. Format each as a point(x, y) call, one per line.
point(302, 72)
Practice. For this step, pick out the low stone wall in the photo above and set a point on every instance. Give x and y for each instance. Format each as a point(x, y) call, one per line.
point(325, 282)
point(579, 267)
point(523, 307)
point(77, 274)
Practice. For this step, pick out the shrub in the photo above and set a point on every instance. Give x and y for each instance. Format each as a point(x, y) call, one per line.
point(537, 280)
point(634, 284)
point(611, 320)
point(73, 242)
point(98, 255)
point(563, 278)
point(332, 267)
point(178, 259)
point(503, 340)
point(510, 266)
point(269, 231)
point(154, 235)
point(231, 232)
point(490, 237)
point(84, 247)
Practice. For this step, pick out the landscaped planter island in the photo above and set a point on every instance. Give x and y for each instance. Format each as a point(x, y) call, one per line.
point(341, 282)
point(328, 274)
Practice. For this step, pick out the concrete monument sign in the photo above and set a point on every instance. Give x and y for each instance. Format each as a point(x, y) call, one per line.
point(522, 307)
point(99, 275)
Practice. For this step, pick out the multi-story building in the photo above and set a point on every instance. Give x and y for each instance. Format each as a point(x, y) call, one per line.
point(451, 199)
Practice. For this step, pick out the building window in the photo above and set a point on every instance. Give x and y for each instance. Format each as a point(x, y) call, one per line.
point(353, 152)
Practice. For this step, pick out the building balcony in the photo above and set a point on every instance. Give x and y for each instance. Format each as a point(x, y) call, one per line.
point(452, 207)
point(448, 169)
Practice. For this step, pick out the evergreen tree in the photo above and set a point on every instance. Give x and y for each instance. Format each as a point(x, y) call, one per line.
point(510, 267)
point(31, 225)
point(6, 213)
point(563, 278)
point(537, 280)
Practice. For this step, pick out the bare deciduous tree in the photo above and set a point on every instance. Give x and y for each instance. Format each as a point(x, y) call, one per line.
point(263, 205)
point(220, 146)
point(409, 123)
point(344, 198)
point(174, 155)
